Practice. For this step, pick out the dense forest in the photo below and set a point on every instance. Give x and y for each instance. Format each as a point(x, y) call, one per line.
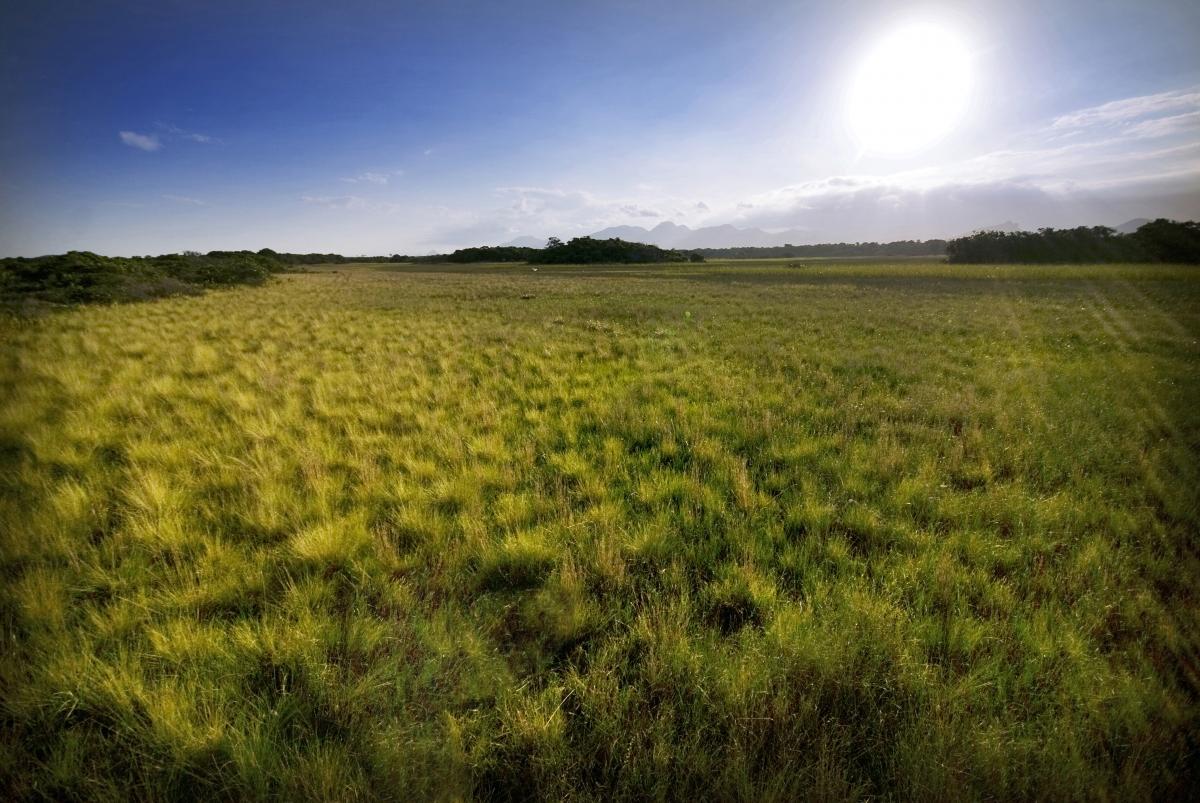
point(332, 259)
point(1159, 241)
point(590, 251)
point(491, 253)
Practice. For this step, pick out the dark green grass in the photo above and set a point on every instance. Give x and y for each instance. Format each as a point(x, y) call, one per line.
point(761, 530)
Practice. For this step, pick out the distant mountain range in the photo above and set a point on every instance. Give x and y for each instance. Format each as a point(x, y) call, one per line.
point(527, 242)
point(1006, 227)
point(675, 235)
point(1128, 227)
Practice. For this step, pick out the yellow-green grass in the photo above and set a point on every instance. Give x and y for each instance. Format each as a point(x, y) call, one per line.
point(775, 530)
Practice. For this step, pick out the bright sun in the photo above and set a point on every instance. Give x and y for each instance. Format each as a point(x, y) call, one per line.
point(910, 91)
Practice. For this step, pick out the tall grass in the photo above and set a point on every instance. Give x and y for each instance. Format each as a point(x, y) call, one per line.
point(806, 531)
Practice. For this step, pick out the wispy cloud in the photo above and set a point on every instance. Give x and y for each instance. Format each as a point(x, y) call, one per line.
point(145, 142)
point(980, 193)
point(373, 177)
point(335, 201)
point(1188, 122)
point(154, 142)
point(1129, 109)
point(886, 208)
point(353, 202)
point(176, 132)
point(183, 199)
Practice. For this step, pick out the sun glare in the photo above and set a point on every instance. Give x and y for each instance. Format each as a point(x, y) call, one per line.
point(910, 91)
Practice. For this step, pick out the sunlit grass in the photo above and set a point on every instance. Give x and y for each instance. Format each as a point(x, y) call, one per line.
point(783, 530)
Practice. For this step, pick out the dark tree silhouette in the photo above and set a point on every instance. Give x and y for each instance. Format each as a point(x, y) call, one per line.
point(1159, 241)
point(590, 251)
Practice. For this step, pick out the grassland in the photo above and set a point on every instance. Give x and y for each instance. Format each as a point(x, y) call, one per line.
point(767, 530)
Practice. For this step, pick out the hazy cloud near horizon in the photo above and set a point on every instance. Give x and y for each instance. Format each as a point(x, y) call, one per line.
point(1134, 157)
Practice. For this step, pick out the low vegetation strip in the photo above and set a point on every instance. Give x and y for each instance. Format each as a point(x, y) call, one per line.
point(898, 248)
point(83, 277)
point(739, 532)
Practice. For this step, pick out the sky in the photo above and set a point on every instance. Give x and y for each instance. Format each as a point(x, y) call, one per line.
point(398, 127)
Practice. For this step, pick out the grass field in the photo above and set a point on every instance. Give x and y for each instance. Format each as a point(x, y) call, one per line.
point(762, 530)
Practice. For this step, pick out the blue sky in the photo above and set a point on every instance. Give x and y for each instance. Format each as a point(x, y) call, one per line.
point(380, 127)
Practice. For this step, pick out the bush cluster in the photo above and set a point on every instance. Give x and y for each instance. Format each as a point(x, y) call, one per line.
point(80, 277)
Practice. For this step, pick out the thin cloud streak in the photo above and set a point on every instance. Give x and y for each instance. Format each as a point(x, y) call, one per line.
point(183, 199)
point(335, 201)
point(144, 142)
point(351, 202)
point(373, 177)
point(179, 133)
point(1128, 109)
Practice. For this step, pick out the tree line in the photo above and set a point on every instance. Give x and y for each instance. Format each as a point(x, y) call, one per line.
point(590, 251)
point(1158, 241)
point(899, 248)
point(578, 251)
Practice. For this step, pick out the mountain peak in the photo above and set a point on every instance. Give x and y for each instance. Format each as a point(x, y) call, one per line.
point(527, 242)
point(1007, 227)
point(1130, 226)
point(677, 235)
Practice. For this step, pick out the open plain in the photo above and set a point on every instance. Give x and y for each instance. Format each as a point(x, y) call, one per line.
point(762, 530)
